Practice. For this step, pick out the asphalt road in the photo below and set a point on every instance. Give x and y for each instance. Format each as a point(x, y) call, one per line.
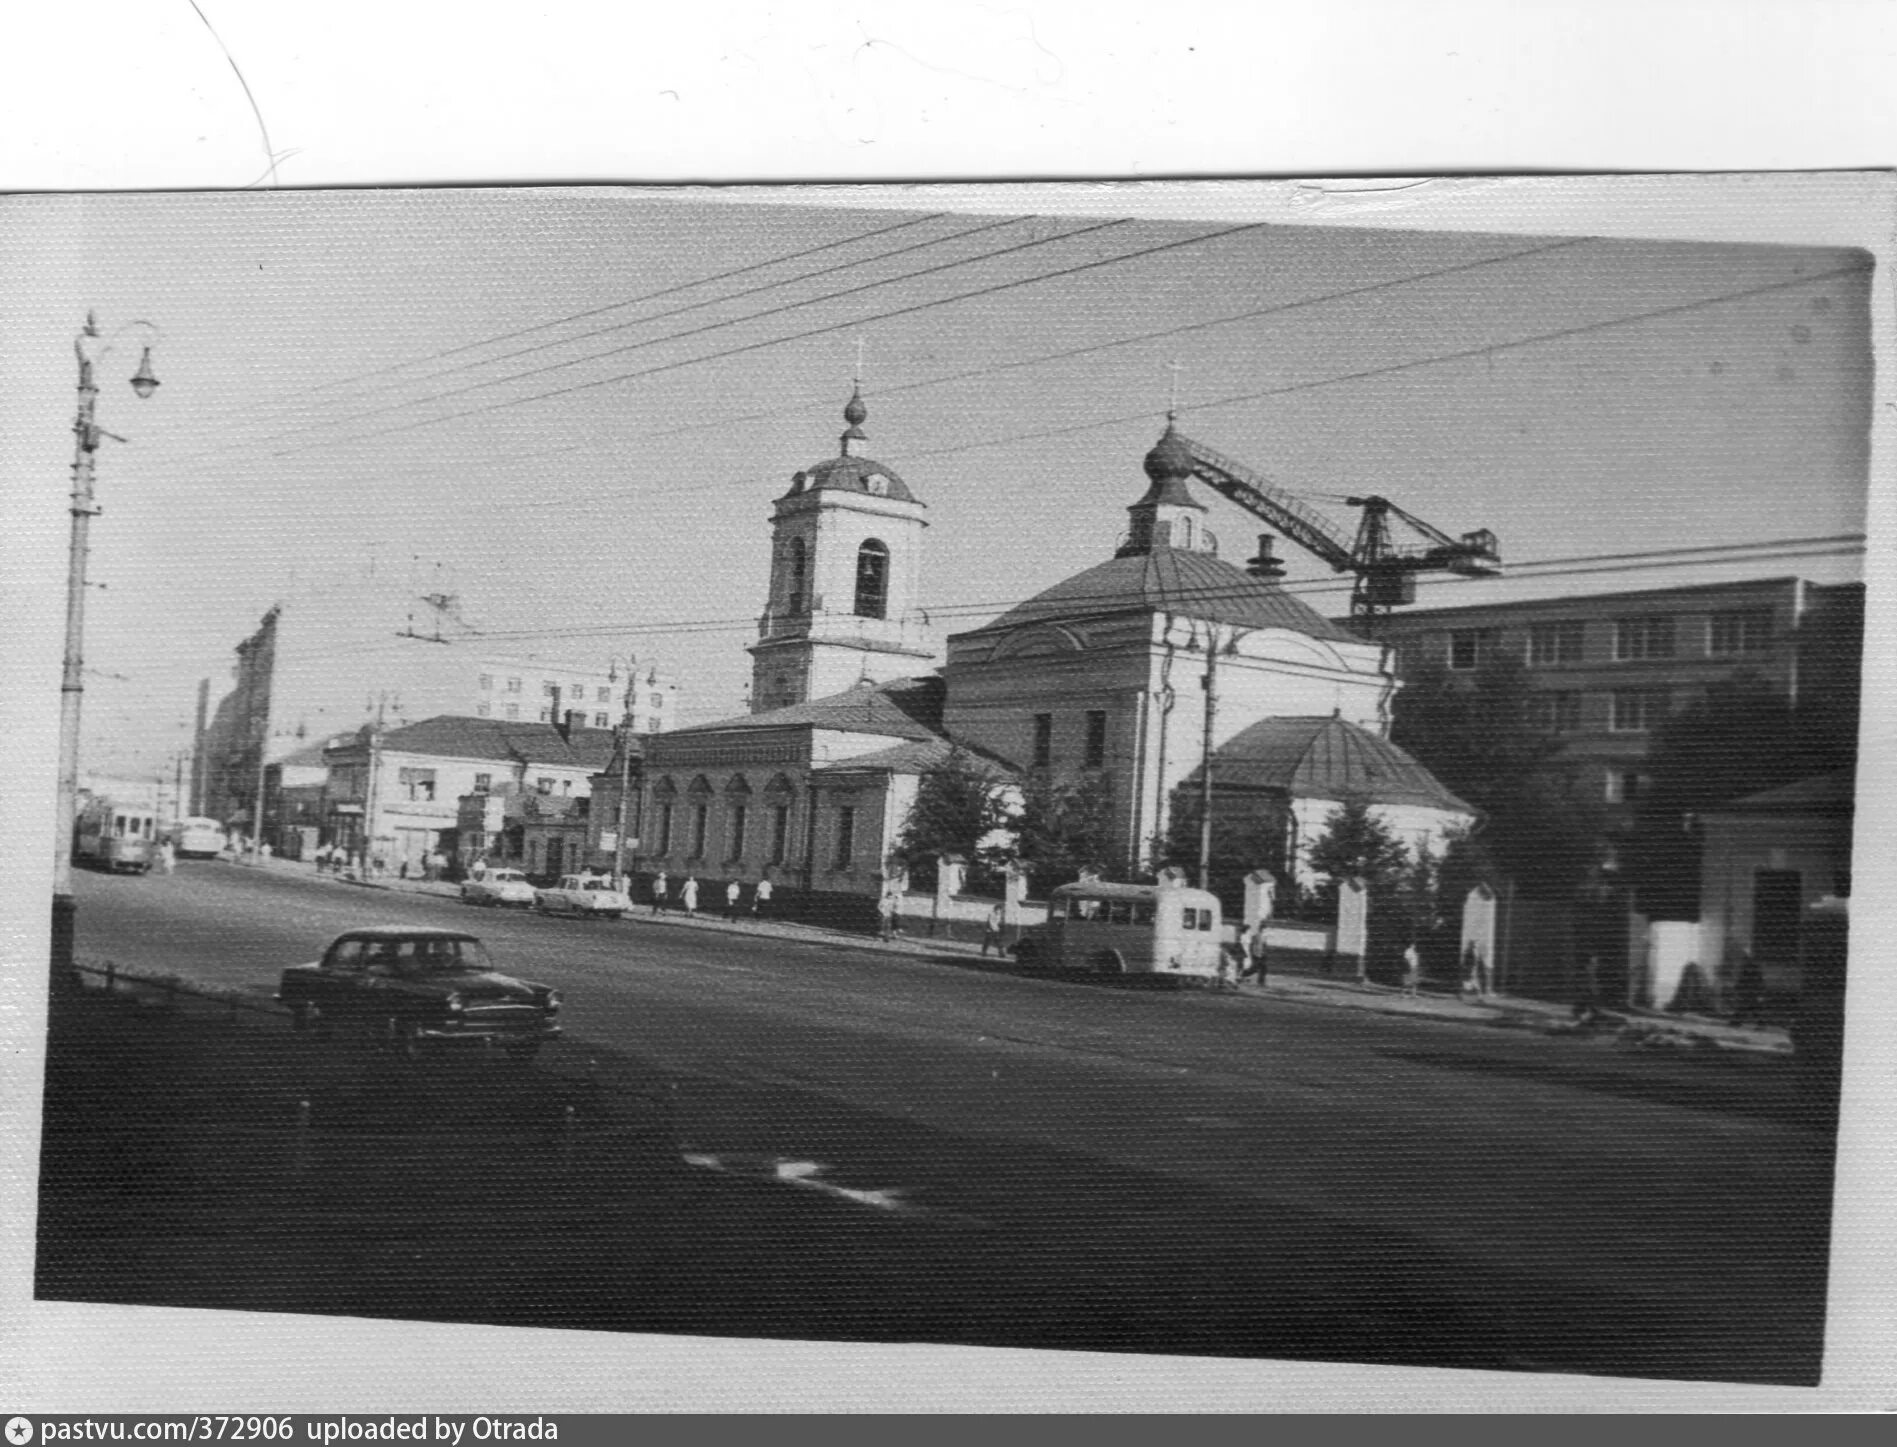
point(1232, 1171)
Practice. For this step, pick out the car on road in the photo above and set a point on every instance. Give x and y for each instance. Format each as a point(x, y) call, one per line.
point(502, 888)
point(418, 987)
point(582, 894)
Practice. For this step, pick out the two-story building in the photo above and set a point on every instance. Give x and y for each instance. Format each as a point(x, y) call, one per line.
point(396, 793)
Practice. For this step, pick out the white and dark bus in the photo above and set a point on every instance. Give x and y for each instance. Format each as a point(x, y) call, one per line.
point(1164, 930)
point(198, 838)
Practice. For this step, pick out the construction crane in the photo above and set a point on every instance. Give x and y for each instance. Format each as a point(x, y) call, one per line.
point(1386, 570)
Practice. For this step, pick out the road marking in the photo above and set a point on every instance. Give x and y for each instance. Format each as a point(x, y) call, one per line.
point(808, 1175)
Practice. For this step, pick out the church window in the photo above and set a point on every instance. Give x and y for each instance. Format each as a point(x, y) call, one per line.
point(1096, 755)
point(872, 580)
point(665, 828)
point(780, 832)
point(601, 721)
point(1043, 740)
point(701, 815)
point(846, 836)
point(740, 818)
point(797, 568)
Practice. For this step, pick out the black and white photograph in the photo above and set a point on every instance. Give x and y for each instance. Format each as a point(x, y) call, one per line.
point(1064, 779)
point(1225, 775)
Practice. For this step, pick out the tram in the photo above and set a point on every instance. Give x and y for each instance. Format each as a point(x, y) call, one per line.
point(121, 838)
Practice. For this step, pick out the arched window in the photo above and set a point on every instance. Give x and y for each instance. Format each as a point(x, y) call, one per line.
point(797, 569)
point(872, 580)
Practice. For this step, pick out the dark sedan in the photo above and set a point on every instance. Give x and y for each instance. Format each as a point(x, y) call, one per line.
point(417, 987)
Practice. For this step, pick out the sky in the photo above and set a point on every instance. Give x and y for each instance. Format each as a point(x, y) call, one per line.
point(572, 408)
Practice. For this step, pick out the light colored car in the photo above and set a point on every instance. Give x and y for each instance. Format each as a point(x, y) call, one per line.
point(507, 888)
point(582, 894)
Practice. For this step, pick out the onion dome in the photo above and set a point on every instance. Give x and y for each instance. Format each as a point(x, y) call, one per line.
point(1170, 457)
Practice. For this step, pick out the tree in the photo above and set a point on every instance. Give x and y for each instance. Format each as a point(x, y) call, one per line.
point(1480, 740)
point(1357, 845)
point(1247, 834)
point(957, 806)
point(1061, 829)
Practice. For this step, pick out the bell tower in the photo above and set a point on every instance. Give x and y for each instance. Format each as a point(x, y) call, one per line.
point(846, 553)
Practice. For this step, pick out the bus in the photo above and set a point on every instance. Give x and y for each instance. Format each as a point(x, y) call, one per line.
point(1168, 931)
point(122, 838)
point(198, 838)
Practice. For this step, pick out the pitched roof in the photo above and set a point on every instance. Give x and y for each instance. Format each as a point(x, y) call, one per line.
point(1832, 794)
point(903, 708)
point(504, 741)
point(1327, 758)
point(919, 756)
point(1174, 580)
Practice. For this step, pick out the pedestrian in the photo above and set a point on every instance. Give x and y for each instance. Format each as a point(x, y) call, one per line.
point(659, 887)
point(688, 895)
point(1472, 973)
point(1412, 969)
point(761, 899)
point(167, 857)
point(732, 892)
point(991, 930)
point(1587, 992)
point(886, 926)
point(266, 851)
point(1255, 947)
point(403, 870)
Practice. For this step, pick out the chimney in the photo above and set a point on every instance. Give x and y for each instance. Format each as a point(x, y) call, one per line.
point(1267, 564)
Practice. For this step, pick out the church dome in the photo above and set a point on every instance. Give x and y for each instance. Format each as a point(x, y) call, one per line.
point(848, 472)
point(1173, 580)
point(1169, 458)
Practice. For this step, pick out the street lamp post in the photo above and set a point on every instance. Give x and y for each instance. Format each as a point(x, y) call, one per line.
point(91, 351)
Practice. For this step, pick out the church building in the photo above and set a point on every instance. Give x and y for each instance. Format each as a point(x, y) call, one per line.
point(1139, 671)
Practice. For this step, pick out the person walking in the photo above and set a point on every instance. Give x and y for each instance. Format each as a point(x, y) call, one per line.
point(991, 930)
point(1412, 970)
point(761, 899)
point(886, 917)
point(660, 885)
point(733, 891)
point(167, 857)
point(1255, 949)
point(688, 895)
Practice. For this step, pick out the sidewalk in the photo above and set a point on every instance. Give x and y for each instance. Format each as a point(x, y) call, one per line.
point(1624, 1025)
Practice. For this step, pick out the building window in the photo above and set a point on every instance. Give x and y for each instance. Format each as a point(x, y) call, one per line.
point(1748, 630)
point(796, 569)
point(1043, 740)
point(543, 786)
point(1637, 710)
point(740, 818)
point(601, 721)
point(846, 836)
point(487, 681)
point(513, 710)
point(1468, 647)
point(482, 710)
point(483, 783)
point(1096, 755)
point(780, 833)
point(603, 695)
point(665, 828)
point(1624, 786)
point(1555, 713)
point(513, 685)
point(872, 580)
point(701, 818)
point(546, 715)
point(1636, 638)
point(1555, 642)
point(550, 690)
point(658, 699)
point(417, 785)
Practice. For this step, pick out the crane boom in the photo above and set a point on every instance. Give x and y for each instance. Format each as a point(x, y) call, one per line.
point(1385, 571)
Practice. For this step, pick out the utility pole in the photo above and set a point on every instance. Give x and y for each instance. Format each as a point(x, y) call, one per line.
point(1211, 682)
point(625, 773)
point(371, 793)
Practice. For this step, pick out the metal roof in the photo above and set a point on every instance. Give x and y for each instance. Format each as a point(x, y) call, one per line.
point(1327, 758)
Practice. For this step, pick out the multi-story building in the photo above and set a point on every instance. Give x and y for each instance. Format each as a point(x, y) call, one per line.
point(526, 690)
point(1606, 668)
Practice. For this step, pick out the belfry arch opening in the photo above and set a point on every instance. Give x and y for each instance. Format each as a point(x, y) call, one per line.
point(872, 579)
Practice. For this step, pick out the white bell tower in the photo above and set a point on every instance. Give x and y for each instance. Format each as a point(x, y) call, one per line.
point(846, 553)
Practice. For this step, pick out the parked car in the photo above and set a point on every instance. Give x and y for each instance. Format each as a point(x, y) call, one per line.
point(506, 888)
point(419, 986)
point(583, 894)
